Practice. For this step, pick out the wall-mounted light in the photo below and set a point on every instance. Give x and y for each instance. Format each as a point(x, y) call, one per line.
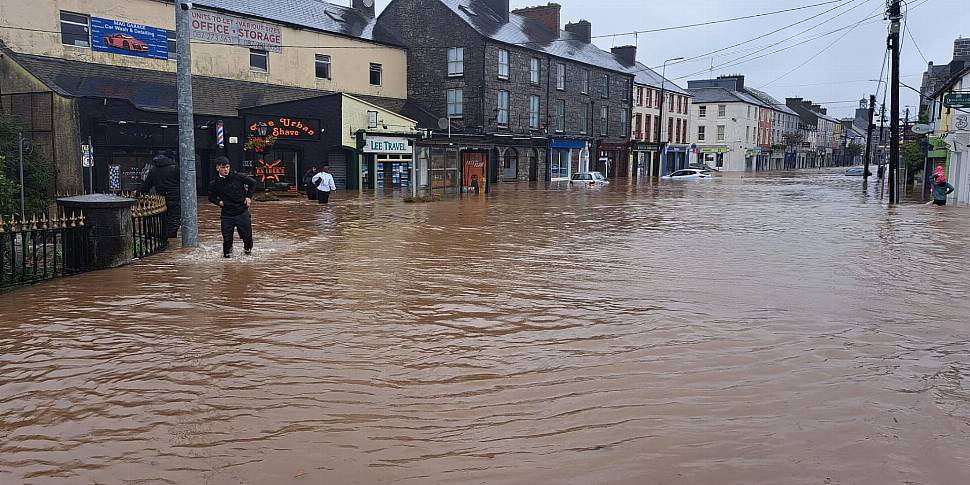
point(122, 122)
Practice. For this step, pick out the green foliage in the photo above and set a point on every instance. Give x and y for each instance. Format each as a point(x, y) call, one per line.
point(38, 172)
point(913, 157)
point(854, 150)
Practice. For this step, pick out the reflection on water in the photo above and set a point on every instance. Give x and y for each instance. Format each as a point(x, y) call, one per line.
point(782, 329)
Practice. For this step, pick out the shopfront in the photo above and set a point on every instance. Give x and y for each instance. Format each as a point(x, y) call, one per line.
point(387, 164)
point(713, 157)
point(566, 157)
point(613, 160)
point(646, 159)
point(676, 158)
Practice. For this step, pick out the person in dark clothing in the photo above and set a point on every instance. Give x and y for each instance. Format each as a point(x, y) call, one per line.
point(941, 189)
point(233, 192)
point(311, 190)
point(164, 178)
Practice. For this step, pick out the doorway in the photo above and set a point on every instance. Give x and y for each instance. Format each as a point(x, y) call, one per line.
point(474, 168)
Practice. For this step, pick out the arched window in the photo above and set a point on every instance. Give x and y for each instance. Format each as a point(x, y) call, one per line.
point(510, 165)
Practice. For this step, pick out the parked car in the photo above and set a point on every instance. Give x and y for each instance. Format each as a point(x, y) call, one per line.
point(591, 178)
point(689, 174)
point(856, 172)
point(126, 42)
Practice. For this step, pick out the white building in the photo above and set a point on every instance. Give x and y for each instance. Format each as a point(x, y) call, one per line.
point(950, 140)
point(727, 123)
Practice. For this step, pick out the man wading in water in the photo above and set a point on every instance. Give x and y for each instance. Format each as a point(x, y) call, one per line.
point(233, 192)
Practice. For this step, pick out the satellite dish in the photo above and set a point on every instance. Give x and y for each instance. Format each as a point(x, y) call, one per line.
point(443, 123)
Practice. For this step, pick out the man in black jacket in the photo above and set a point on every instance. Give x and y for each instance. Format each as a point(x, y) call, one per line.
point(233, 192)
point(164, 177)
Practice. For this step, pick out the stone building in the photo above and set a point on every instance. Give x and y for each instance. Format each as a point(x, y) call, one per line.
point(650, 156)
point(517, 97)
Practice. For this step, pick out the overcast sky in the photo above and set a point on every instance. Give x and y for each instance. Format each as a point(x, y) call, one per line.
point(837, 74)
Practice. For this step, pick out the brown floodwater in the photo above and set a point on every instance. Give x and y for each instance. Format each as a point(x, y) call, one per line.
point(782, 329)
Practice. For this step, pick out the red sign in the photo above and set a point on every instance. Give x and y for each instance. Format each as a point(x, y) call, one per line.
point(270, 171)
point(285, 127)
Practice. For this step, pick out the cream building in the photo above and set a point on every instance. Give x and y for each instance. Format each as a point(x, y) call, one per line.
point(104, 70)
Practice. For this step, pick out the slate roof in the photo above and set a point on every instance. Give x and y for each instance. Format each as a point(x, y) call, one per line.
point(312, 14)
point(770, 101)
point(155, 90)
point(532, 34)
point(722, 95)
point(648, 77)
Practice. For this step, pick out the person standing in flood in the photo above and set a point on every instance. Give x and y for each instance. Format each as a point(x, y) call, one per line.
point(324, 183)
point(164, 178)
point(233, 192)
point(311, 190)
point(941, 189)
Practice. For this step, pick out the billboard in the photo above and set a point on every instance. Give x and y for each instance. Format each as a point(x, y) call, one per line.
point(126, 38)
point(225, 29)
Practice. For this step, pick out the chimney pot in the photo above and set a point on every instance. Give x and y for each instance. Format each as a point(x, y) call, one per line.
point(627, 54)
point(547, 15)
point(582, 30)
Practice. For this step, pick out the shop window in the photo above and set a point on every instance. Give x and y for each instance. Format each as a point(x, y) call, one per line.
point(258, 60)
point(534, 71)
point(323, 66)
point(75, 29)
point(456, 103)
point(376, 74)
point(503, 64)
point(456, 61)
point(172, 45)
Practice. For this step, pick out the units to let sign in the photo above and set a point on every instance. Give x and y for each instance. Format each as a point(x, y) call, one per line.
point(226, 29)
point(957, 100)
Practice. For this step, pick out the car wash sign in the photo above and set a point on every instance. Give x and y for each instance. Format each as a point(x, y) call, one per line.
point(128, 39)
point(226, 29)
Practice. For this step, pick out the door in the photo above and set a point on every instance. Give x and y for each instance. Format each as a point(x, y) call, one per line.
point(533, 165)
point(474, 166)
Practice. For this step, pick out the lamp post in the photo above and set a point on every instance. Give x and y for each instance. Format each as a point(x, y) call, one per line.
point(663, 102)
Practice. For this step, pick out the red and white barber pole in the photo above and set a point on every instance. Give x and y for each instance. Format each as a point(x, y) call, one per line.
point(220, 135)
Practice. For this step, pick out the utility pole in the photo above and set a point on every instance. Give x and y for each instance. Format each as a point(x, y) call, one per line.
point(894, 17)
point(190, 201)
point(870, 124)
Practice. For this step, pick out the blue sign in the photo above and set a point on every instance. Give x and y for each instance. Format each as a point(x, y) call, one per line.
point(567, 143)
point(128, 39)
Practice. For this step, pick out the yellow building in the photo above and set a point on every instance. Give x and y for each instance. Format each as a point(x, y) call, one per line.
point(103, 72)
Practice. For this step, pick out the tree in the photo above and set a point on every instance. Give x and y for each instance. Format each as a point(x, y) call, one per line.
point(793, 139)
point(38, 172)
point(913, 157)
point(854, 150)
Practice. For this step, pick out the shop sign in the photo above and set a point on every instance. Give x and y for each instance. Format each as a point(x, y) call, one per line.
point(270, 171)
point(226, 29)
point(287, 128)
point(567, 143)
point(387, 144)
point(957, 100)
point(961, 122)
point(715, 150)
point(128, 39)
point(646, 147)
point(87, 154)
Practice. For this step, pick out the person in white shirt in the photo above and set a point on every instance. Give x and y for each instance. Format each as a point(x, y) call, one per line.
point(324, 183)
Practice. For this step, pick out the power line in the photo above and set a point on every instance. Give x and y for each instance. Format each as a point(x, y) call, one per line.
point(910, 32)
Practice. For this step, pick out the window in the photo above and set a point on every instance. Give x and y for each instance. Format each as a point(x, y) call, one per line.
point(670, 130)
point(534, 71)
point(638, 96)
point(372, 119)
point(605, 91)
point(323, 66)
point(700, 133)
point(503, 64)
point(747, 134)
point(503, 109)
point(376, 73)
point(605, 120)
point(749, 112)
point(680, 104)
point(657, 99)
point(647, 134)
point(721, 111)
point(656, 128)
point(561, 115)
point(702, 111)
point(534, 112)
point(720, 132)
point(624, 128)
point(258, 60)
point(456, 61)
point(677, 135)
point(172, 44)
point(584, 117)
point(670, 103)
point(74, 29)
point(585, 81)
point(561, 76)
point(456, 103)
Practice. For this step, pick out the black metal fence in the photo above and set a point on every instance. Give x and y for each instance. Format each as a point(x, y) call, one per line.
point(148, 221)
point(35, 249)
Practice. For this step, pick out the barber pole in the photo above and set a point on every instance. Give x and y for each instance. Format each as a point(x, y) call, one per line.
point(220, 135)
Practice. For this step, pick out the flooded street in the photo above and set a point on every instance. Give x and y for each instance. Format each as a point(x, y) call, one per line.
point(767, 330)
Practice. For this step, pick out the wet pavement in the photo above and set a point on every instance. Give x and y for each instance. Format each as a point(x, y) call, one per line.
point(765, 330)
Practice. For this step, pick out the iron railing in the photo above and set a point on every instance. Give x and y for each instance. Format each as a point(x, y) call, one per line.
point(37, 249)
point(148, 221)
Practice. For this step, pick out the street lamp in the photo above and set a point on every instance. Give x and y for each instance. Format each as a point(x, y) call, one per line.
point(663, 102)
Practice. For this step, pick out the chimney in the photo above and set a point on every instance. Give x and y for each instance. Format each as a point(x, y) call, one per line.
point(582, 30)
point(627, 54)
point(547, 15)
point(500, 7)
point(361, 7)
point(738, 81)
point(961, 49)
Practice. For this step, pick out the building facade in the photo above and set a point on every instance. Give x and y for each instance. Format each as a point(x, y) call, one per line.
point(651, 158)
point(729, 128)
point(949, 144)
point(819, 127)
point(517, 98)
point(104, 71)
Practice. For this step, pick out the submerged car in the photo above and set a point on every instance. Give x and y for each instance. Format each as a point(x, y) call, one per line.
point(126, 42)
point(689, 174)
point(591, 178)
point(856, 172)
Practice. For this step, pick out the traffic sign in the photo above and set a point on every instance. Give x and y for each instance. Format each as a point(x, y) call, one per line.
point(86, 159)
point(957, 100)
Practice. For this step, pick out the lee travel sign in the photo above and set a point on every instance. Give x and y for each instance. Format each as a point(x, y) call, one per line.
point(387, 144)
